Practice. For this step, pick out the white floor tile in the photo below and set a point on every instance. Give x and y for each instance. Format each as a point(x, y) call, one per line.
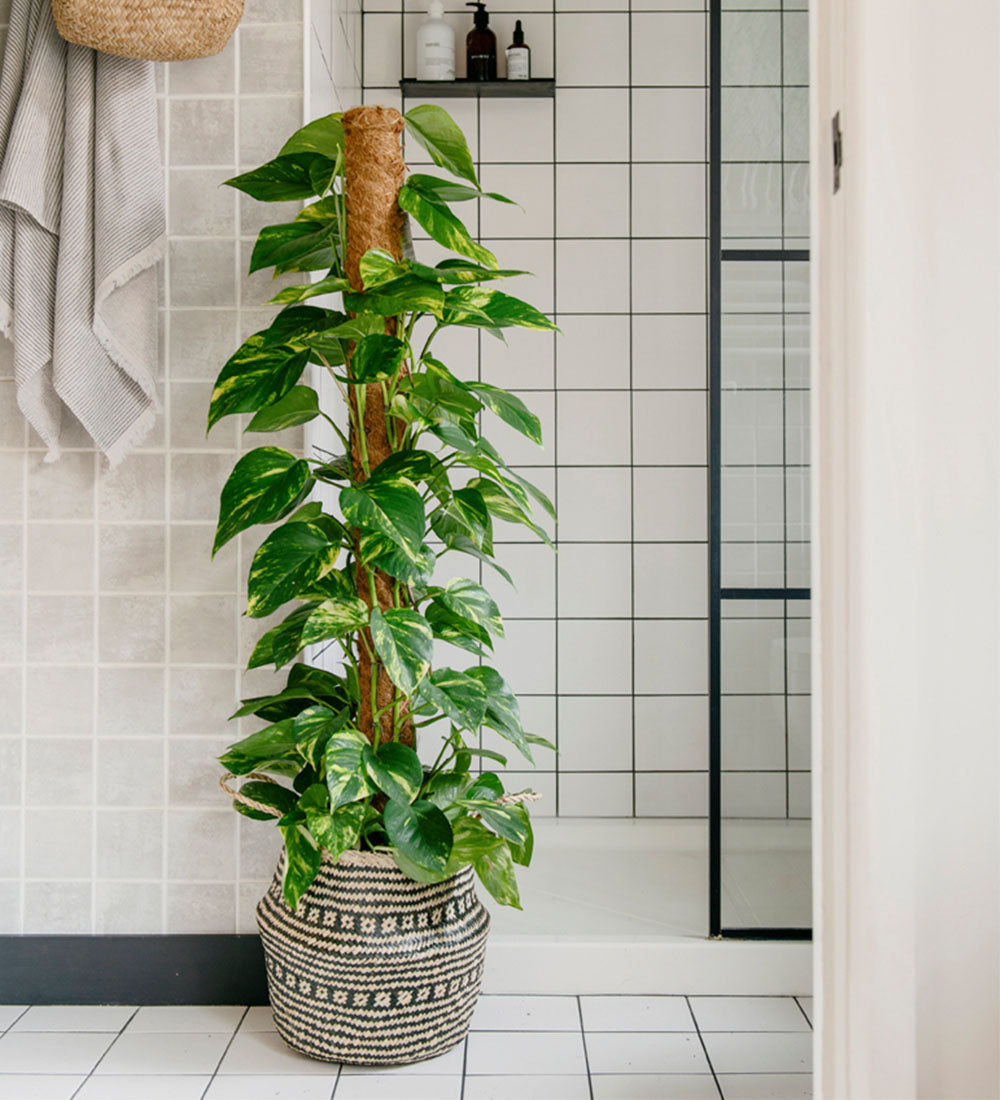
point(445, 1065)
point(759, 1052)
point(397, 1086)
point(272, 1087)
point(766, 1086)
point(654, 1086)
point(748, 1014)
point(9, 1013)
point(523, 1087)
point(648, 1052)
point(525, 1052)
point(636, 1014)
point(177, 1018)
point(500, 1013)
point(258, 1018)
point(133, 1086)
point(164, 1054)
point(52, 1052)
point(74, 1018)
point(24, 1086)
point(807, 1007)
point(266, 1052)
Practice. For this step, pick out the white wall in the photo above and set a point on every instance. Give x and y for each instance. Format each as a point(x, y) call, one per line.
point(908, 458)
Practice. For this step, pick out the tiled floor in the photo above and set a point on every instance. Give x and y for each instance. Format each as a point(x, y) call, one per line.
point(542, 1048)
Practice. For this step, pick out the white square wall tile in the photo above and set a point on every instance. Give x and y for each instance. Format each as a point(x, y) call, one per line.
point(592, 200)
point(668, 124)
point(596, 794)
point(579, 290)
point(671, 580)
point(669, 352)
point(751, 47)
point(655, 1086)
point(592, 49)
point(626, 1013)
point(593, 428)
point(524, 361)
point(383, 56)
point(533, 570)
point(668, 276)
point(668, 794)
point(649, 1052)
point(592, 352)
point(533, 257)
point(526, 1053)
point(671, 504)
point(526, 656)
point(515, 130)
point(668, 48)
point(595, 732)
point(595, 503)
point(671, 656)
point(595, 580)
point(670, 428)
point(531, 187)
point(592, 124)
point(595, 657)
point(671, 733)
point(521, 1087)
point(668, 200)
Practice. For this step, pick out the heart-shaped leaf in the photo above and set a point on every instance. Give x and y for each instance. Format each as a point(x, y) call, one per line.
point(287, 561)
point(377, 358)
point(338, 831)
point(439, 134)
point(420, 832)
point(404, 643)
point(298, 406)
point(392, 508)
point(470, 601)
point(444, 227)
point(346, 779)
point(302, 861)
point(395, 769)
point(461, 698)
point(323, 135)
point(265, 486)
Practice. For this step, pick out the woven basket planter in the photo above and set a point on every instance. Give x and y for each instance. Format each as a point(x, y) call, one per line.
point(374, 968)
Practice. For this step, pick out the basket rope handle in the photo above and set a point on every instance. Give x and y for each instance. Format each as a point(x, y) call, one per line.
point(238, 796)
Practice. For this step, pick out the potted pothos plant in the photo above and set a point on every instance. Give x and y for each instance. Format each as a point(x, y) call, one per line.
point(373, 934)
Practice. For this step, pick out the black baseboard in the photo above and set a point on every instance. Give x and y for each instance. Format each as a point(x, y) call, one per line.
point(132, 970)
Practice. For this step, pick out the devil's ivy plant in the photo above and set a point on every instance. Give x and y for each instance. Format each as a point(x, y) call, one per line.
point(361, 577)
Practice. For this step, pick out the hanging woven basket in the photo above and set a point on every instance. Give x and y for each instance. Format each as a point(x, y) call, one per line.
point(374, 968)
point(154, 30)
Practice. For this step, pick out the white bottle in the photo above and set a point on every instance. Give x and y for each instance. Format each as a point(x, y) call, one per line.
point(435, 46)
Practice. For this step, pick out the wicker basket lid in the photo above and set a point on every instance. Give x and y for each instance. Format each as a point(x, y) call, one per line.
point(153, 30)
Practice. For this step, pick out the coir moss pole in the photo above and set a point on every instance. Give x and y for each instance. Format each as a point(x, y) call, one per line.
point(374, 171)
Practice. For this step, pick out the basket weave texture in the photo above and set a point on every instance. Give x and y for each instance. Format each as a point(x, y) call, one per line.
point(374, 968)
point(154, 30)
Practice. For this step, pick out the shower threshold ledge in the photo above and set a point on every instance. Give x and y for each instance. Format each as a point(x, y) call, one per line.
point(621, 906)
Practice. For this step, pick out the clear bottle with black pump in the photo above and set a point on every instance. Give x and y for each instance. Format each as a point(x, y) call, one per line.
point(481, 45)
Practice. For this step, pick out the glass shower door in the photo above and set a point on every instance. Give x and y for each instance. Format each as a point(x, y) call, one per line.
point(760, 626)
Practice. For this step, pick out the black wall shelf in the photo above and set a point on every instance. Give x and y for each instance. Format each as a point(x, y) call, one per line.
point(544, 88)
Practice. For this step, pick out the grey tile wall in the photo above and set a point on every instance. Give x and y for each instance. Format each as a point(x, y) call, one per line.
point(120, 640)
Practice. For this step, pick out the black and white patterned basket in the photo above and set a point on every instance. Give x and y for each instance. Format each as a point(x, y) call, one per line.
point(374, 968)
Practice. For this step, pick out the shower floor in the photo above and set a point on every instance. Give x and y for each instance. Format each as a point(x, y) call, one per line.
point(620, 905)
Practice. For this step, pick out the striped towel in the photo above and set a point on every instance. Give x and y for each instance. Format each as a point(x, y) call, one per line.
point(81, 230)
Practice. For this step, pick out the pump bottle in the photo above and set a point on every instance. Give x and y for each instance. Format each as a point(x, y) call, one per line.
point(435, 46)
point(481, 45)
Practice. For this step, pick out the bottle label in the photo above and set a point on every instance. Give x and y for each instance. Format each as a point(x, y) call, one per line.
point(437, 61)
point(517, 64)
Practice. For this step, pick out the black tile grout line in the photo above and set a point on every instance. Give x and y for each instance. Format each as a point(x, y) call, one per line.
point(583, 1032)
point(465, 1065)
point(20, 1016)
point(701, 1039)
point(804, 1013)
point(93, 1068)
point(236, 1030)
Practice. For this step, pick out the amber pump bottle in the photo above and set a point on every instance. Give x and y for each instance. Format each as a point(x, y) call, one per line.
point(481, 45)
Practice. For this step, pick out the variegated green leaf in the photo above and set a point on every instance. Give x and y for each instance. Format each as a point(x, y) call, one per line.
point(323, 135)
point(302, 861)
point(339, 831)
point(496, 872)
point(511, 410)
point(284, 179)
point(377, 357)
point(503, 712)
point(404, 643)
point(287, 562)
point(444, 227)
point(439, 134)
point(395, 769)
point(470, 601)
point(420, 832)
point(313, 728)
point(392, 508)
point(460, 697)
point(346, 779)
point(255, 377)
point(332, 284)
point(298, 406)
point(283, 244)
point(263, 747)
point(456, 629)
point(265, 486)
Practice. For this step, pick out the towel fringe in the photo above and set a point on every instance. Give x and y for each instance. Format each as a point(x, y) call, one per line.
point(136, 433)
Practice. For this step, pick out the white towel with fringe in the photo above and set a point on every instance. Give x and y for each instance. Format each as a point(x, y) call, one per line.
point(81, 230)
